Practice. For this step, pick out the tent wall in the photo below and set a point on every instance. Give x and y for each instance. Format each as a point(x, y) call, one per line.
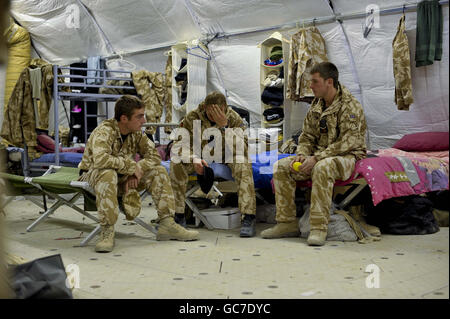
point(150, 27)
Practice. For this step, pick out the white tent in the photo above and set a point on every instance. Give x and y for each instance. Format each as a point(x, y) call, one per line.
point(65, 32)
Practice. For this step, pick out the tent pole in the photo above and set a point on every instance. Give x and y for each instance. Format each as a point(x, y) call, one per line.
point(108, 43)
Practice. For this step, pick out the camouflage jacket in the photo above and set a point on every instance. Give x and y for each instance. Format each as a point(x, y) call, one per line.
point(344, 132)
point(151, 86)
point(307, 49)
point(402, 68)
point(105, 149)
point(19, 123)
point(234, 121)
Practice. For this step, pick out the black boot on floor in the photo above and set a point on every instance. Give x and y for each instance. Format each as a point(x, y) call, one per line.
point(248, 226)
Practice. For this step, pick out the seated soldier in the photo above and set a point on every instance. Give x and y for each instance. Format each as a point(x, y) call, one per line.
point(109, 165)
point(332, 140)
point(212, 113)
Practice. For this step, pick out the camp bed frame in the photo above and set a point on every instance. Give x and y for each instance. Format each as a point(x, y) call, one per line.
point(55, 181)
point(356, 186)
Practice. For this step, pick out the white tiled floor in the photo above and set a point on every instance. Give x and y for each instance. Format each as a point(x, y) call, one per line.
point(222, 265)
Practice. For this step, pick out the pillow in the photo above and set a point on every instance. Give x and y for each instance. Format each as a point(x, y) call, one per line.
point(42, 149)
point(423, 142)
point(47, 142)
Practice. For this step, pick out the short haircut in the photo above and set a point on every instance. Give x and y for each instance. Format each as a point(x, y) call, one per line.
point(326, 70)
point(126, 105)
point(215, 98)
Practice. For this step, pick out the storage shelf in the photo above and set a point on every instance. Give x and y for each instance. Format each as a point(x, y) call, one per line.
point(273, 66)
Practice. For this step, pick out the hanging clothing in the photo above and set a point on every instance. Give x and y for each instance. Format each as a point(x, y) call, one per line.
point(402, 68)
point(168, 87)
point(307, 49)
point(429, 32)
point(19, 123)
point(35, 80)
point(94, 62)
point(151, 87)
point(118, 91)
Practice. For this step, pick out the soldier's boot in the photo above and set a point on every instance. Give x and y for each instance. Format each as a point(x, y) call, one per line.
point(282, 230)
point(106, 241)
point(357, 215)
point(248, 226)
point(317, 237)
point(168, 229)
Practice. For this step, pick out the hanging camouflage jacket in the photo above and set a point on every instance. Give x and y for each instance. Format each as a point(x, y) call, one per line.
point(151, 87)
point(307, 49)
point(19, 123)
point(402, 68)
point(337, 131)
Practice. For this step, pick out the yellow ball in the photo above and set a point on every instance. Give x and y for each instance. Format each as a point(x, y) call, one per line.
point(296, 166)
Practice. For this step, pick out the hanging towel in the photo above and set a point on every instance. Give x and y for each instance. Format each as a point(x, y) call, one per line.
point(35, 80)
point(93, 63)
point(429, 33)
point(402, 68)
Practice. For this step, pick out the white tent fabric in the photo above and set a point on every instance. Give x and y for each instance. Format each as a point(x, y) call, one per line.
point(373, 58)
point(143, 30)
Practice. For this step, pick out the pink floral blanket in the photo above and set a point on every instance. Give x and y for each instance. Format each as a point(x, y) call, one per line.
point(386, 175)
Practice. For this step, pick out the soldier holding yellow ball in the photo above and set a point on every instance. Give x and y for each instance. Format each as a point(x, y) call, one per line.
point(332, 140)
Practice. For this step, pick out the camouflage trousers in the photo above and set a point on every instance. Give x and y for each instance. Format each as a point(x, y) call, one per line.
point(323, 176)
point(241, 172)
point(106, 186)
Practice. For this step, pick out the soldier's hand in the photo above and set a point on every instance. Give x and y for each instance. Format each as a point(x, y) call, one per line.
point(124, 187)
point(132, 182)
point(138, 173)
point(218, 115)
point(198, 166)
point(298, 158)
point(308, 165)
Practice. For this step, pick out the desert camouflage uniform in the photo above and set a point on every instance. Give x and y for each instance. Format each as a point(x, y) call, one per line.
point(118, 91)
point(152, 89)
point(402, 68)
point(336, 152)
point(241, 171)
point(108, 160)
point(307, 49)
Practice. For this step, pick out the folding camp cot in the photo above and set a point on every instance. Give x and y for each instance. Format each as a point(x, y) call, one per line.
point(262, 180)
point(55, 181)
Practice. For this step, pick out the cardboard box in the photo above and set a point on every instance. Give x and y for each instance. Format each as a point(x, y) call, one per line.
point(223, 218)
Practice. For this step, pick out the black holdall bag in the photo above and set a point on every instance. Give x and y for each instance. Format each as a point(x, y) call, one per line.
point(43, 278)
point(411, 215)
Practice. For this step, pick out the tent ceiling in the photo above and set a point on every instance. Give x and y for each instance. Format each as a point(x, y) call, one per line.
point(136, 25)
point(348, 7)
point(231, 16)
point(54, 41)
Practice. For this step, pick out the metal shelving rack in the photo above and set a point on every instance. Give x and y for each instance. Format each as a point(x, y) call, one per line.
point(65, 91)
